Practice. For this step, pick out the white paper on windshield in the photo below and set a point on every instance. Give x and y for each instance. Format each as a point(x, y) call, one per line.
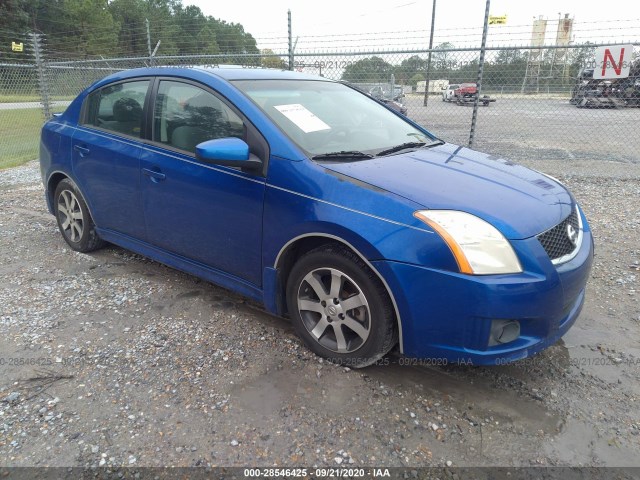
point(304, 119)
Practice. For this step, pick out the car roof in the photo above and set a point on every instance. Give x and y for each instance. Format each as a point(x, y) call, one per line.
point(239, 72)
point(225, 72)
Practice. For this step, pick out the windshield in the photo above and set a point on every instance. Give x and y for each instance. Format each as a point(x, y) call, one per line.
point(328, 118)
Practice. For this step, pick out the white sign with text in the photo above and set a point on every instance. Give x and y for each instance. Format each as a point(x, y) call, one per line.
point(613, 62)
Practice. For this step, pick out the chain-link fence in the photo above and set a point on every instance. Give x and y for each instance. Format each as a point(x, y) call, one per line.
point(21, 113)
point(532, 103)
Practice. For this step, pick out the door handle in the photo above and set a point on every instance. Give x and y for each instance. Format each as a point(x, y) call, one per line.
point(155, 175)
point(83, 151)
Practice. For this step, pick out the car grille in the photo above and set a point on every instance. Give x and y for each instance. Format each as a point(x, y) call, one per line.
point(556, 240)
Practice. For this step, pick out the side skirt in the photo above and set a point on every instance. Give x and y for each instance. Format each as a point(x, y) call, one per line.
point(178, 262)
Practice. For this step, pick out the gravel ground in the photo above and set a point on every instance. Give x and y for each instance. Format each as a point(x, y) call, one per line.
point(111, 359)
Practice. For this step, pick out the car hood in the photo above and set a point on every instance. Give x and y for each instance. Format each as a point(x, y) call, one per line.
point(518, 201)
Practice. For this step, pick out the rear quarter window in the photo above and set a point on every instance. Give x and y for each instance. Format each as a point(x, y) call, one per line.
point(118, 108)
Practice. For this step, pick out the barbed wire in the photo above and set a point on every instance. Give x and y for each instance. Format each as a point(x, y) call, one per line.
point(634, 24)
point(515, 36)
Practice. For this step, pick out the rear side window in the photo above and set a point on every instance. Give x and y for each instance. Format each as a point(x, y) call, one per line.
point(118, 108)
point(186, 115)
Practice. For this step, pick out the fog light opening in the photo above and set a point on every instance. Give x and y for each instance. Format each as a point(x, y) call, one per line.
point(503, 331)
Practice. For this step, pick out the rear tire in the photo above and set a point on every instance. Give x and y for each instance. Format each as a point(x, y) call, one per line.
point(340, 308)
point(74, 220)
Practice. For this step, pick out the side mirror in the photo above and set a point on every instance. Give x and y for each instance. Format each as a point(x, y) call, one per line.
point(230, 152)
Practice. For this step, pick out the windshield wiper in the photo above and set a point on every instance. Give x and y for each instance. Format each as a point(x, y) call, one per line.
point(342, 154)
point(404, 146)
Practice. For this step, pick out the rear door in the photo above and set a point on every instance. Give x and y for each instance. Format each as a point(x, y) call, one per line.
point(106, 150)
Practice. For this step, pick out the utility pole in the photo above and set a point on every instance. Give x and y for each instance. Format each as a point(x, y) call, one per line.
point(146, 21)
point(290, 41)
point(426, 83)
point(45, 98)
point(474, 116)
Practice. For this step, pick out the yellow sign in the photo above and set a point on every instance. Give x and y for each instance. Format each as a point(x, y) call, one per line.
point(17, 47)
point(497, 19)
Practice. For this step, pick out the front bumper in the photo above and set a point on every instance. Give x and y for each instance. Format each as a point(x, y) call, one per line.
point(448, 316)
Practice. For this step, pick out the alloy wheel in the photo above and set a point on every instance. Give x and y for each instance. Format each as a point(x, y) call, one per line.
point(70, 216)
point(334, 310)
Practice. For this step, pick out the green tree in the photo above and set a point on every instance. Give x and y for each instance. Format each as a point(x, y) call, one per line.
point(444, 60)
point(162, 25)
point(232, 39)
point(206, 42)
point(130, 15)
point(270, 61)
point(14, 17)
point(91, 27)
point(408, 68)
point(418, 77)
point(80, 26)
point(506, 69)
point(196, 34)
point(14, 25)
point(373, 69)
point(119, 28)
point(579, 58)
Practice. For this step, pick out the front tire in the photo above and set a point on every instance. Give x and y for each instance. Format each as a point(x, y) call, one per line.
point(74, 220)
point(340, 308)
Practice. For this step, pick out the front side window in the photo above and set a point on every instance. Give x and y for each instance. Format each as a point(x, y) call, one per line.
point(186, 115)
point(118, 108)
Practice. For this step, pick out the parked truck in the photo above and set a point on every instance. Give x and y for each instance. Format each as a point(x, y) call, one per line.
point(466, 94)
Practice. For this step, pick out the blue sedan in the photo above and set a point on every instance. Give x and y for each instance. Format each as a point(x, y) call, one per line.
point(325, 206)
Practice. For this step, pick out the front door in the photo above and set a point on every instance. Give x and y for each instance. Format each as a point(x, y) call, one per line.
point(206, 213)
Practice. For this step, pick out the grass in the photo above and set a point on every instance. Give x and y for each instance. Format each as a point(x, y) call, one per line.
point(27, 97)
point(19, 98)
point(19, 136)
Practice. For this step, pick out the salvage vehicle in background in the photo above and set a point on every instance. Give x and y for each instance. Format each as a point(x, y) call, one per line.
point(379, 94)
point(600, 93)
point(448, 93)
point(395, 105)
point(325, 206)
point(466, 94)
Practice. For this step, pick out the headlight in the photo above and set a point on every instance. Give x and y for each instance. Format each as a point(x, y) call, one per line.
point(477, 246)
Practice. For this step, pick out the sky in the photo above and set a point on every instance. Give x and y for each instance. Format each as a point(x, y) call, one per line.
point(357, 24)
